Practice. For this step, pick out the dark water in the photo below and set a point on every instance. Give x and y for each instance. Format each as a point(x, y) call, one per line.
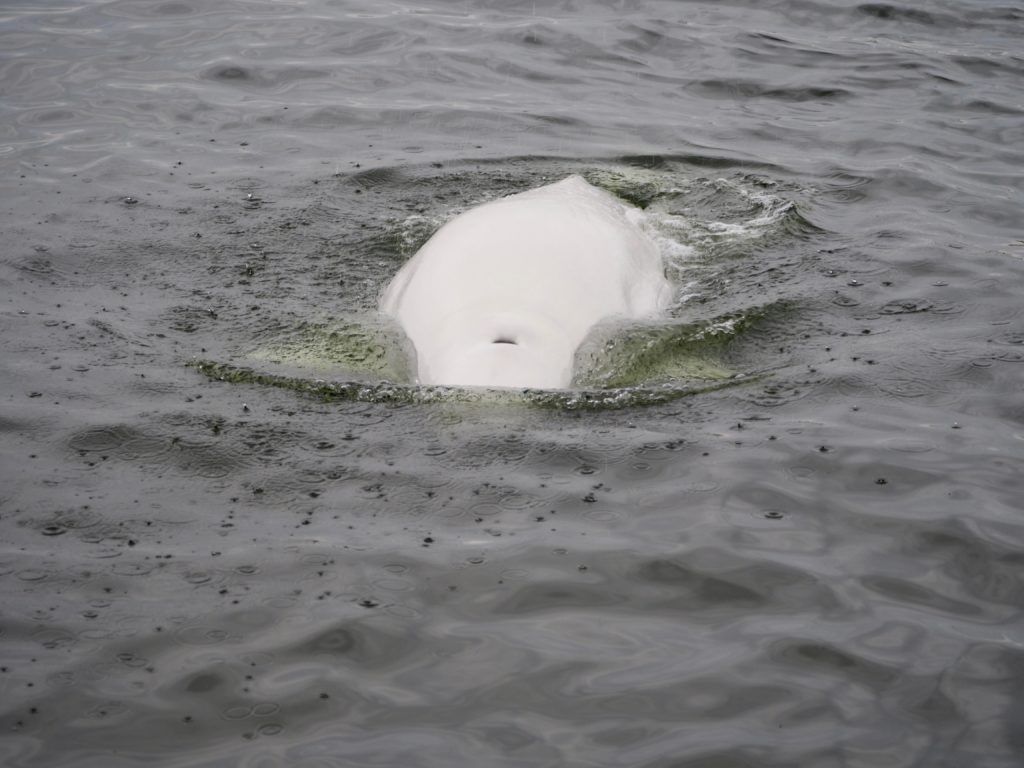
point(784, 527)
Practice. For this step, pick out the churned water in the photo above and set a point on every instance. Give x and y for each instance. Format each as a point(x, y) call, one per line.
point(782, 526)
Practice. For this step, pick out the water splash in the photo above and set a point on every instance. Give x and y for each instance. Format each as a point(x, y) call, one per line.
point(705, 227)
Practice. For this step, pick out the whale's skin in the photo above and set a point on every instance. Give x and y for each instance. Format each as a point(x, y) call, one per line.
point(503, 294)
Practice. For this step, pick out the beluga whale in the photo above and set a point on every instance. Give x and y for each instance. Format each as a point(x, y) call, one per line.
point(504, 294)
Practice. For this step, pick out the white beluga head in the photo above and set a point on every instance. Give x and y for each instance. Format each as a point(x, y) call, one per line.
point(503, 294)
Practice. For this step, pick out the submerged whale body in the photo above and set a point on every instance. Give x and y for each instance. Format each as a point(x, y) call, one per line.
point(503, 294)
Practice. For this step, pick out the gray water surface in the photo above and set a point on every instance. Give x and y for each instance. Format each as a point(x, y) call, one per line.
point(783, 527)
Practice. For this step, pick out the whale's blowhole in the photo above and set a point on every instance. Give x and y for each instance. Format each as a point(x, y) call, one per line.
point(504, 340)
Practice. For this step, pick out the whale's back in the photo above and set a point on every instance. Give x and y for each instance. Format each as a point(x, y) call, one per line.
point(503, 294)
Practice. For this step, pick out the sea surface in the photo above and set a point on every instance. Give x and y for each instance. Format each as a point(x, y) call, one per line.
point(782, 525)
